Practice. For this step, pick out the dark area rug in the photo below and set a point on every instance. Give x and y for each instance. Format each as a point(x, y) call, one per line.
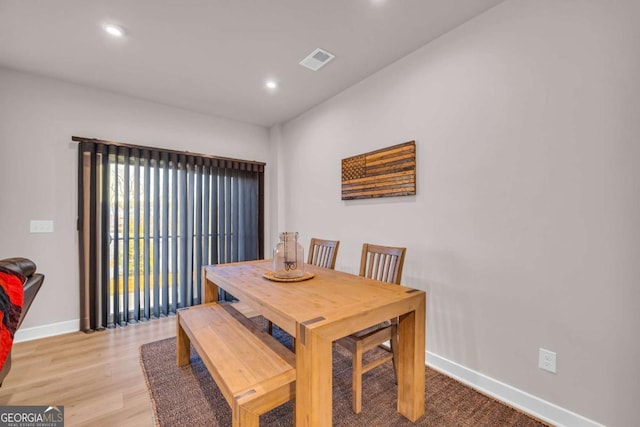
point(189, 396)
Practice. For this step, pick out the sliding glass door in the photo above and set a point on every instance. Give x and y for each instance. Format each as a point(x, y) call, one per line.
point(149, 220)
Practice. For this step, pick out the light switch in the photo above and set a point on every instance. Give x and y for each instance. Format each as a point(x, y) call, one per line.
point(41, 226)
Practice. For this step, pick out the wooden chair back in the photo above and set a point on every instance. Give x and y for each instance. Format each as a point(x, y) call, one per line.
point(382, 263)
point(323, 253)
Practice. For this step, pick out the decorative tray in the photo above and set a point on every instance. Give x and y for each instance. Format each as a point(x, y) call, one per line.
point(270, 275)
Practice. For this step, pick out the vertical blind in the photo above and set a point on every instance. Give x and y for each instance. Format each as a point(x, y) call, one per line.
point(149, 219)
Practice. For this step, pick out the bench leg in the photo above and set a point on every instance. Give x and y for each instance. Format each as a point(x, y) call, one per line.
point(244, 418)
point(183, 345)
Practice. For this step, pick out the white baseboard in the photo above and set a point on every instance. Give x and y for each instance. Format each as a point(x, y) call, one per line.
point(539, 408)
point(44, 331)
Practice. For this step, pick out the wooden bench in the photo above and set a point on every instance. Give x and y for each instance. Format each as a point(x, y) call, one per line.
point(253, 370)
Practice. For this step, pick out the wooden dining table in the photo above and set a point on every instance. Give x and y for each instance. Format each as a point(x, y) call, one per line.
point(319, 311)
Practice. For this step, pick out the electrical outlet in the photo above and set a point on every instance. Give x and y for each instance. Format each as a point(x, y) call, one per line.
point(37, 226)
point(547, 360)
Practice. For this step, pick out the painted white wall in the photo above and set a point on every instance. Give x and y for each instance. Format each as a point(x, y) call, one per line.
point(38, 168)
point(524, 230)
point(276, 178)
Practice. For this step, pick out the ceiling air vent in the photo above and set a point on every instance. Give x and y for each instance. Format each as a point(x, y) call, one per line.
point(317, 59)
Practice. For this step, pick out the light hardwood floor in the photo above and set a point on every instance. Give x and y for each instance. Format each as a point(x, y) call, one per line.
point(97, 377)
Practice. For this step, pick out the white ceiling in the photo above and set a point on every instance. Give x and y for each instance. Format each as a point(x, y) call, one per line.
point(213, 56)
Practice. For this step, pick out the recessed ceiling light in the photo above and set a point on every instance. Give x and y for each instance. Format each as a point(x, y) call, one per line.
point(271, 84)
point(114, 30)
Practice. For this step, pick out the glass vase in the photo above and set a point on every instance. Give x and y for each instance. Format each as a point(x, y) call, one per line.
point(288, 257)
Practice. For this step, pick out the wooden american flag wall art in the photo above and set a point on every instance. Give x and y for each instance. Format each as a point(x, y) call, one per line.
point(386, 172)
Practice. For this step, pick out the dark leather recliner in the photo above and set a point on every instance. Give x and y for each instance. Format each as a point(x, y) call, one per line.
point(34, 281)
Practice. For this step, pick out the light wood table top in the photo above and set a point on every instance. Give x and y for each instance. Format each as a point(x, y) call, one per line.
point(317, 312)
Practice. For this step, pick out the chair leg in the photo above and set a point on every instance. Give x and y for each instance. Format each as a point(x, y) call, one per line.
point(357, 379)
point(394, 349)
point(270, 331)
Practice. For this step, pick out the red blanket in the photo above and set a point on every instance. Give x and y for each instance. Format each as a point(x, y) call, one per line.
point(11, 298)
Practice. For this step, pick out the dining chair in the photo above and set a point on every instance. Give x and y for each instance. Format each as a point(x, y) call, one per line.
point(322, 253)
point(383, 263)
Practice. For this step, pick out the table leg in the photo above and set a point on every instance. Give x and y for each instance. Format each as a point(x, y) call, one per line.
point(210, 291)
point(411, 365)
point(313, 379)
